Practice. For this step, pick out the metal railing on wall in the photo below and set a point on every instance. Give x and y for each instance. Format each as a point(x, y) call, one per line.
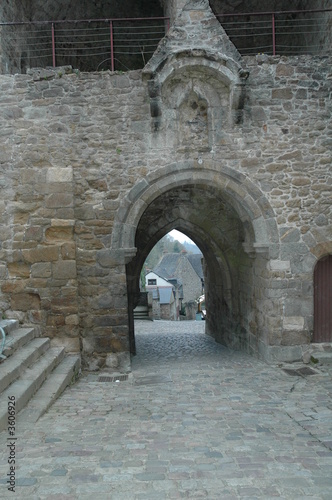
point(291, 32)
point(89, 45)
point(128, 43)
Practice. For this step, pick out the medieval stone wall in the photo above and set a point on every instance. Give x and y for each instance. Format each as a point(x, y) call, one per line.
point(236, 153)
point(74, 146)
point(65, 160)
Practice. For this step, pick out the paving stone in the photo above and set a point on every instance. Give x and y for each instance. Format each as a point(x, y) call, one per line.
point(229, 426)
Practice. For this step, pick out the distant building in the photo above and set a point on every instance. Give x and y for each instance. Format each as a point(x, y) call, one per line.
point(186, 269)
point(166, 296)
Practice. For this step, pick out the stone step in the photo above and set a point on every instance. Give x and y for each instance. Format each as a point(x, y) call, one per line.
point(141, 312)
point(62, 376)
point(321, 353)
point(29, 382)
point(13, 367)
point(16, 339)
point(9, 325)
point(324, 358)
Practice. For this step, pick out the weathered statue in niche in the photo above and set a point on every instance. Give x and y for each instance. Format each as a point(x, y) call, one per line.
point(193, 123)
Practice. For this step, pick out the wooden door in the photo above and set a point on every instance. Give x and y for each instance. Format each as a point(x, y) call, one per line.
point(323, 300)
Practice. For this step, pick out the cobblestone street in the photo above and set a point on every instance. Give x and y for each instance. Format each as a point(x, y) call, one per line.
point(193, 420)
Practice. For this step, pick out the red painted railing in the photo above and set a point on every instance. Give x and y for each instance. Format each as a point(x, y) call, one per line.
point(285, 25)
point(128, 43)
point(89, 44)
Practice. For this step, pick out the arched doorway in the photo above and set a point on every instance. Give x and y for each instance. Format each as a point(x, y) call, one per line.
point(229, 220)
point(202, 214)
point(323, 300)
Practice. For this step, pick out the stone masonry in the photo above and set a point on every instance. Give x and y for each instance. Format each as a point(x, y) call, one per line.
point(97, 167)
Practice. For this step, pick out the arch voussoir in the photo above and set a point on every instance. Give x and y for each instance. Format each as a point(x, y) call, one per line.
point(248, 201)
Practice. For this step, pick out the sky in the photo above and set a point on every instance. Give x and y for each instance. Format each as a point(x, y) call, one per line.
point(179, 236)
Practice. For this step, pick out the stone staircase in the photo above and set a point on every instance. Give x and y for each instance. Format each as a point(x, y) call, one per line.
point(32, 371)
point(141, 312)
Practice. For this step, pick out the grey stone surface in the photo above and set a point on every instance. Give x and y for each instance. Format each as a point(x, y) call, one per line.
point(235, 152)
point(214, 424)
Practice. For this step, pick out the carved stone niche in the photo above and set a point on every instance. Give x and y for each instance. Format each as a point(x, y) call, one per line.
point(196, 80)
point(195, 93)
point(193, 121)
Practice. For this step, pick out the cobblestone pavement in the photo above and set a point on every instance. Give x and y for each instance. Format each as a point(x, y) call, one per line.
point(193, 420)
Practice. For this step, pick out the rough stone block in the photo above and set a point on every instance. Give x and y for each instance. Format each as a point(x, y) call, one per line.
point(298, 306)
point(106, 258)
point(18, 270)
point(284, 70)
point(59, 174)
point(41, 270)
point(71, 345)
point(68, 251)
point(59, 233)
point(295, 337)
point(72, 319)
point(290, 234)
point(63, 305)
point(294, 323)
point(112, 361)
point(279, 265)
point(59, 200)
point(41, 254)
point(283, 93)
point(64, 269)
point(55, 320)
point(25, 301)
point(111, 301)
point(85, 213)
point(287, 354)
point(88, 345)
point(62, 222)
point(33, 233)
point(301, 181)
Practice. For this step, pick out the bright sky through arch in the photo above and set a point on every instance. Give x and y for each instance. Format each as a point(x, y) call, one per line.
point(177, 235)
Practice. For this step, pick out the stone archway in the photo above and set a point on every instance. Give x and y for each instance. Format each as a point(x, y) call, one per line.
point(229, 219)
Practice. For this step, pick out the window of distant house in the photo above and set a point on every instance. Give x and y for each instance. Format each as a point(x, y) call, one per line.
point(152, 282)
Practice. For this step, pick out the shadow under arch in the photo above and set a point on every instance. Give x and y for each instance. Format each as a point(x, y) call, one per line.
point(215, 266)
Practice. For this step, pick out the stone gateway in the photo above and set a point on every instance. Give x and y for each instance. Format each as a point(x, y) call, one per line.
point(96, 167)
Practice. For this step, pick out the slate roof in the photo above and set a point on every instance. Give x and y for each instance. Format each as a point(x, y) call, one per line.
point(195, 260)
point(166, 268)
point(167, 265)
point(165, 295)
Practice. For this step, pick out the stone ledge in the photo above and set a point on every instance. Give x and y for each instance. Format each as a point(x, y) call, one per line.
point(274, 354)
point(49, 73)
